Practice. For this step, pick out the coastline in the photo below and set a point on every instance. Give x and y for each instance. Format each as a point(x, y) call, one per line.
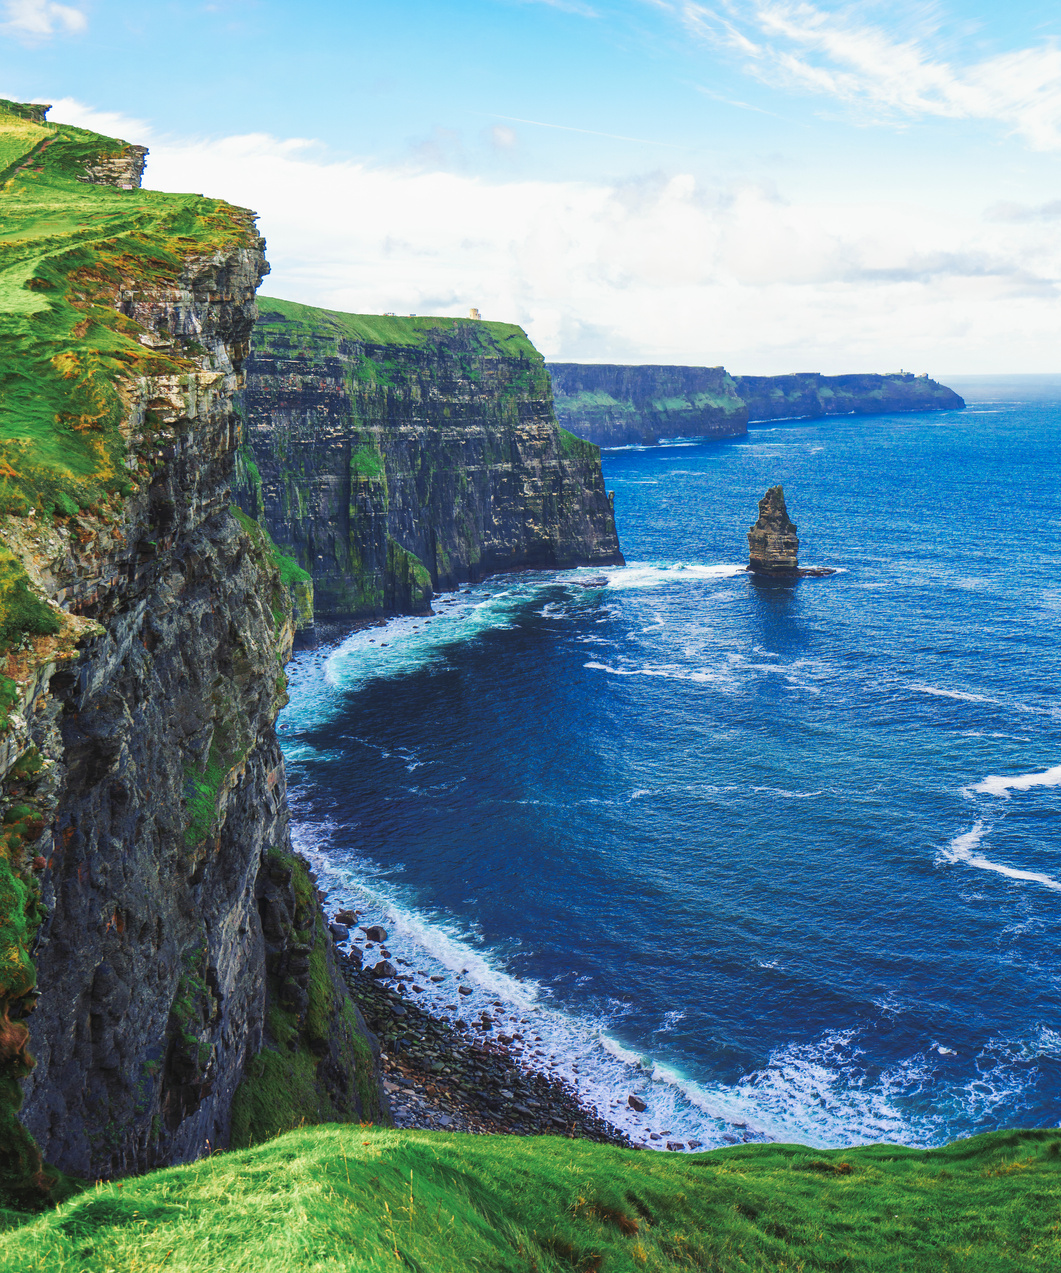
point(469, 1076)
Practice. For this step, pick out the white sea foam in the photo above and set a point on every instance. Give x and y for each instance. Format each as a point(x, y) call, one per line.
point(701, 676)
point(654, 575)
point(964, 697)
point(816, 1093)
point(1000, 784)
point(788, 795)
point(963, 849)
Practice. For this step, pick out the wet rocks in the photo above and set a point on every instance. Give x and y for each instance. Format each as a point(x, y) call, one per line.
point(773, 545)
point(439, 1077)
point(339, 931)
point(635, 1102)
point(374, 933)
point(384, 969)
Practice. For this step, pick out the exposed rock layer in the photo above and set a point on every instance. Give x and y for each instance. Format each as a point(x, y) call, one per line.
point(773, 546)
point(183, 971)
point(393, 458)
point(614, 405)
point(618, 406)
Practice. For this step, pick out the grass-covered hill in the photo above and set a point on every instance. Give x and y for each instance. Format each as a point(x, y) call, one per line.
point(350, 1198)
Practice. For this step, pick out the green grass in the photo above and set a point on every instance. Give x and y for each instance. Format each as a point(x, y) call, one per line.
point(303, 325)
point(369, 1199)
point(67, 355)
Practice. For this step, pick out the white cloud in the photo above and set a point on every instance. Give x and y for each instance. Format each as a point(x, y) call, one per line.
point(840, 54)
point(68, 110)
point(654, 270)
point(39, 19)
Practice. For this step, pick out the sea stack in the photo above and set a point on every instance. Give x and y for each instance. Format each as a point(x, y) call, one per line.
point(773, 546)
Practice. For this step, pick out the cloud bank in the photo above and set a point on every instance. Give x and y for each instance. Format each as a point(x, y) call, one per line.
point(658, 269)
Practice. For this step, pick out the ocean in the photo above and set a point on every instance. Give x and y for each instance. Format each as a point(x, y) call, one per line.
point(781, 858)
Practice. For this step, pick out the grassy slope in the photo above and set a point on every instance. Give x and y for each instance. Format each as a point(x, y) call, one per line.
point(342, 1198)
point(499, 340)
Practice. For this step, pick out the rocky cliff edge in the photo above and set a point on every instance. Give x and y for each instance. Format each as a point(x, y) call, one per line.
point(394, 457)
point(167, 983)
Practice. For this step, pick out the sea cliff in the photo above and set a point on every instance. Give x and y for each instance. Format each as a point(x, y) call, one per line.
point(615, 405)
point(167, 983)
point(397, 457)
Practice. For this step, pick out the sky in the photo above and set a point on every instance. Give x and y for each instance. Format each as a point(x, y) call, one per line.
point(770, 185)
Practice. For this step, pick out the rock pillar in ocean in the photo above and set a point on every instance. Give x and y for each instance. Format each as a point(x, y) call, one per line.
point(773, 546)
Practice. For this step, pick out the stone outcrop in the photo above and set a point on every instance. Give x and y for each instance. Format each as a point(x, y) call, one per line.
point(619, 406)
point(773, 544)
point(397, 457)
point(614, 405)
point(124, 170)
point(176, 983)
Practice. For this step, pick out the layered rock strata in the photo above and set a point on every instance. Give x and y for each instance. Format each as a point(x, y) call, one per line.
point(397, 457)
point(773, 544)
point(173, 977)
point(614, 405)
point(619, 406)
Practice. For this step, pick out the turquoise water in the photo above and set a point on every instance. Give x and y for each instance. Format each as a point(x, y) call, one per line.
point(784, 858)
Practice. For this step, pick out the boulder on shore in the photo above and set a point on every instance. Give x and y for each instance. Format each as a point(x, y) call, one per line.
point(773, 545)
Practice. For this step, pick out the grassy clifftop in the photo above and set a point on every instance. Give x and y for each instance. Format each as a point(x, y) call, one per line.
point(305, 327)
point(366, 1199)
point(68, 248)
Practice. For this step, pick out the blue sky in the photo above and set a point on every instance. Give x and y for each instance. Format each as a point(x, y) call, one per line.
point(770, 184)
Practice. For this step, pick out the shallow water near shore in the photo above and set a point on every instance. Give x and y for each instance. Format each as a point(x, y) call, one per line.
point(783, 858)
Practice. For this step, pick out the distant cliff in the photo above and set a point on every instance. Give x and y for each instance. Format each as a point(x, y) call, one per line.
point(615, 405)
point(810, 394)
point(396, 457)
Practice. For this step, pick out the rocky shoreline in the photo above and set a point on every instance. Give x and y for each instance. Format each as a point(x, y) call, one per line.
point(467, 1076)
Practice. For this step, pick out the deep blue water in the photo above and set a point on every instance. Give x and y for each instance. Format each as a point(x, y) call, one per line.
point(783, 857)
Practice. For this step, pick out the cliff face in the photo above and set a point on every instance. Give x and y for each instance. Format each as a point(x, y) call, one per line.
point(773, 542)
point(811, 394)
point(166, 962)
point(394, 457)
point(617, 406)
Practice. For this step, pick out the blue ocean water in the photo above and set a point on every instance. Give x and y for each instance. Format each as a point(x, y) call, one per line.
point(784, 858)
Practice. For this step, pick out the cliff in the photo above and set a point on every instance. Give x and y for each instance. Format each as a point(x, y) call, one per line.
point(619, 406)
point(396, 457)
point(163, 957)
point(614, 405)
point(811, 394)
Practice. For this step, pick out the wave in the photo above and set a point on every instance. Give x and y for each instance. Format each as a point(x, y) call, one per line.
point(409, 643)
point(654, 575)
point(820, 1093)
point(1000, 784)
point(958, 694)
point(668, 672)
point(962, 849)
point(967, 697)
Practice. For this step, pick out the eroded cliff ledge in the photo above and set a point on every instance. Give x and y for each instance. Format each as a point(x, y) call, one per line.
point(396, 457)
point(614, 405)
point(163, 956)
